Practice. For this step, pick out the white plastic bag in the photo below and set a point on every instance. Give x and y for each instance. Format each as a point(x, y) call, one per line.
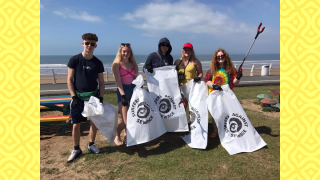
point(164, 89)
point(93, 107)
point(196, 93)
point(143, 119)
point(235, 131)
point(106, 122)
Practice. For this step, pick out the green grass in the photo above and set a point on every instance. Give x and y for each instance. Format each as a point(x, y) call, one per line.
point(50, 170)
point(168, 157)
point(111, 98)
point(49, 162)
point(270, 109)
point(66, 153)
point(252, 92)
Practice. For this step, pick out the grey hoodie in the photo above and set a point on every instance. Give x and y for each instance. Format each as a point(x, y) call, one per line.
point(154, 60)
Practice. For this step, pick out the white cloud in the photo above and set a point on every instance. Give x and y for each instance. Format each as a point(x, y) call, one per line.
point(250, 4)
point(185, 16)
point(83, 16)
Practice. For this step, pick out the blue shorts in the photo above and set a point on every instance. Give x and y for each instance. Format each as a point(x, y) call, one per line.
point(76, 116)
point(128, 90)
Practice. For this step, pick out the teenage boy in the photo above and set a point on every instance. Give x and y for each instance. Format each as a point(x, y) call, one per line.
point(84, 73)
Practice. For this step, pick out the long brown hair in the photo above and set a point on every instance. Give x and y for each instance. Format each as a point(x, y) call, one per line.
point(228, 63)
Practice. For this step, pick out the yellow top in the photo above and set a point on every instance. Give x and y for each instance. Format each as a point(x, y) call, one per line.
point(190, 73)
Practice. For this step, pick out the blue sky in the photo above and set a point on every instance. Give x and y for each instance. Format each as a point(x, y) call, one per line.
point(207, 24)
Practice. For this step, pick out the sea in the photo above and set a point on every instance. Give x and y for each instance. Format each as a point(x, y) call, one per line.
point(58, 63)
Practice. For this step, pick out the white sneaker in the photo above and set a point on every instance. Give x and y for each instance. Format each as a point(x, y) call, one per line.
point(93, 149)
point(74, 155)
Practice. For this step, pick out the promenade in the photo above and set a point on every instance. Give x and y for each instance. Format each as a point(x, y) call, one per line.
point(60, 88)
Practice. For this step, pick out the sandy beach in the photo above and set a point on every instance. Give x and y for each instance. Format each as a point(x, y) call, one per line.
point(62, 78)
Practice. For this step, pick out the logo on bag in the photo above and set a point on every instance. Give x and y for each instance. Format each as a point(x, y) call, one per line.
point(236, 124)
point(166, 105)
point(194, 117)
point(142, 111)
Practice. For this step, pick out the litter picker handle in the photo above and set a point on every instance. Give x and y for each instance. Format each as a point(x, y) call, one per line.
point(258, 32)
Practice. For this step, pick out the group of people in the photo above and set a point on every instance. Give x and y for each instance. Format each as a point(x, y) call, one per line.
point(85, 79)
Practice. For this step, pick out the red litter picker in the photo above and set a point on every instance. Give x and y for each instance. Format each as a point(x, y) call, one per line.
point(258, 32)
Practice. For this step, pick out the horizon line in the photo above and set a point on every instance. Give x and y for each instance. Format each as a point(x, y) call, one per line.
point(145, 54)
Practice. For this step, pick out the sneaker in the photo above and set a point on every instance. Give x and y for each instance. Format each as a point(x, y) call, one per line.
point(74, 155)
point(93, 149)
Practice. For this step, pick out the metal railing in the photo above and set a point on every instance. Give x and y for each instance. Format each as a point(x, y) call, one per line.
point(252, 69)
point(106, 74)
point(54, 78)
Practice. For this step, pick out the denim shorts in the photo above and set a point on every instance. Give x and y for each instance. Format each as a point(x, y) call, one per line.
point(128, 90)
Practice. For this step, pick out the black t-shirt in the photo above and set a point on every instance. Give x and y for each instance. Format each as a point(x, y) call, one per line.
point(86, 72)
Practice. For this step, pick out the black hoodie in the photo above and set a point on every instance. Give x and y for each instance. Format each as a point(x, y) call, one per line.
point(154, 60)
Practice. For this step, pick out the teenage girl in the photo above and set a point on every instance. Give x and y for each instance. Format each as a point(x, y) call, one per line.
point(189, 66)
point(125, 70)
point(221, 72)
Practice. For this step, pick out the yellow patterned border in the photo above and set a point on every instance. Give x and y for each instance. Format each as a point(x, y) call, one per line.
point(19, 89)
point(299, 86)
point(20, 78)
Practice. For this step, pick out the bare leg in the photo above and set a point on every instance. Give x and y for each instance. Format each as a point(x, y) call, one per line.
point(92, 132)
point(215, 129)
point(124, 120)
point(120, 127)
point(76, 134)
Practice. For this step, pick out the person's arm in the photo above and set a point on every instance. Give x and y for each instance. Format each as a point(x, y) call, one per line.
point(237, 75)
point(199, 68)
point(101, 84)
point(116, 73)
point(70, 81)
point(148, 63)
point(236, 81)
point(209, 83)
point(176, 63)
point(207, 78)
point(136, 73)
point(171, 60)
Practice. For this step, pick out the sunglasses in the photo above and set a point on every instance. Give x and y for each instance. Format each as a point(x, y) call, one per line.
point(87, 44)
point(166, 45)
point(220, 57)
point(125, 44)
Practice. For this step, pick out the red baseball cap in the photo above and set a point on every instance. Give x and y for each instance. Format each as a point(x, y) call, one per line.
point(189, 45)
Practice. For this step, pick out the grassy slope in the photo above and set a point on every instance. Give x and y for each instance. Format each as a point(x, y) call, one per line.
point(168, 157)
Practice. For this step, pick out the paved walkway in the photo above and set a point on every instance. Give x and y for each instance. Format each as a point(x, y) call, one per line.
point(62, 88)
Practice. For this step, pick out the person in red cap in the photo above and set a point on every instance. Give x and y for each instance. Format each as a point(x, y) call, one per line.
point(221, 72)
point(188, 67)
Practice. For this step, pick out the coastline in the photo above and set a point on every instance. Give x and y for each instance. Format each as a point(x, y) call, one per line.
point(62, 78)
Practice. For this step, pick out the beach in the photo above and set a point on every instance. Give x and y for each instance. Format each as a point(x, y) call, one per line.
point(62, 78)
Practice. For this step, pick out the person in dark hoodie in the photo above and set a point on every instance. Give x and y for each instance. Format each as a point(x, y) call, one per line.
point(160, 58)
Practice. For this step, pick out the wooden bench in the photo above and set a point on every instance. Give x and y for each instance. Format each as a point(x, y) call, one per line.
point(55, 103)
point(46, 120)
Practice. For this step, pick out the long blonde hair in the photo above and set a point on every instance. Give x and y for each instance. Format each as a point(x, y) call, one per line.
point(192, 57)
point(228, 63)
point(118, 58)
